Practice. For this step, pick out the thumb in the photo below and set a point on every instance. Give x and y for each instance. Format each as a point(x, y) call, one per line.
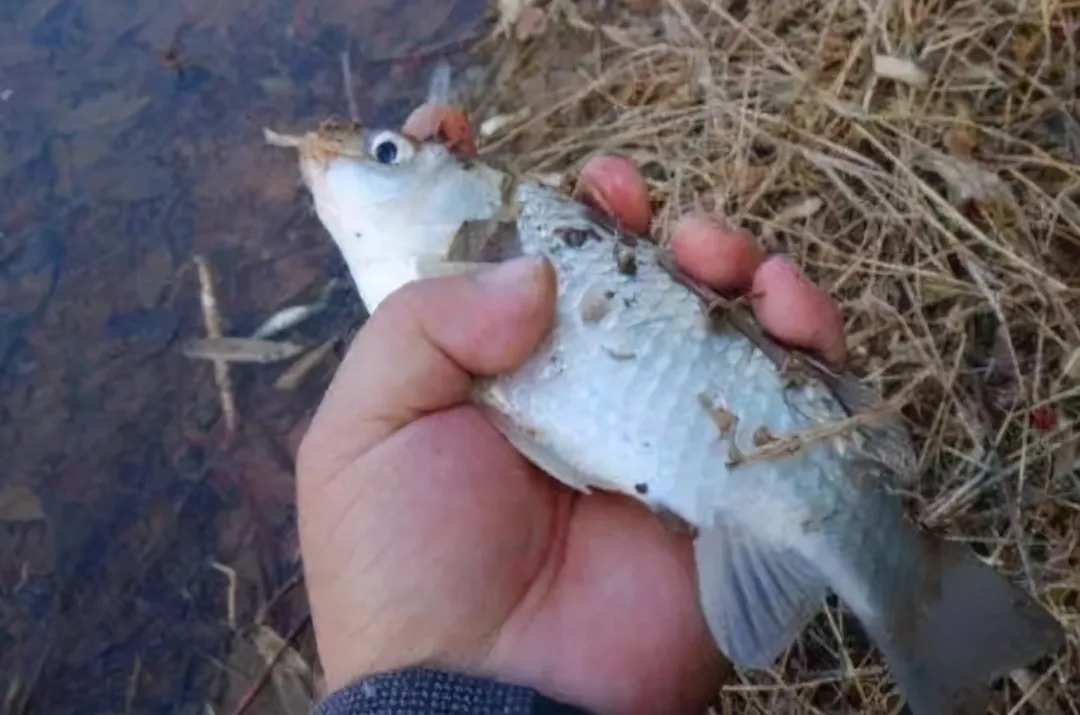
point(418, 352)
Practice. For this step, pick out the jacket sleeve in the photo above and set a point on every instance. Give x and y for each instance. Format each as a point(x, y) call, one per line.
point(421, 691)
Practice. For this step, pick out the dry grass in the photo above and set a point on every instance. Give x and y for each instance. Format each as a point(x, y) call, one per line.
point(938, 200)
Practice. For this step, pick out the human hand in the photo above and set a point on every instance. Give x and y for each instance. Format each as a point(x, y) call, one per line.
point(428, 540)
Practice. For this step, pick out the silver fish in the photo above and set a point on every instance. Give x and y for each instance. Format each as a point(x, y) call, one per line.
point(779, 474)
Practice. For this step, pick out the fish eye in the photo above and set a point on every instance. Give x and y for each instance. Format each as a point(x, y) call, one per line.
point(388, 148)
point(386, 152)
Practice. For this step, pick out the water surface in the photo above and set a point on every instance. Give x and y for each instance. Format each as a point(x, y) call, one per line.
point(139, 546)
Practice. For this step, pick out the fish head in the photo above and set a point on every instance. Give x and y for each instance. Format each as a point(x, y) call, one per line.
point(391, 202)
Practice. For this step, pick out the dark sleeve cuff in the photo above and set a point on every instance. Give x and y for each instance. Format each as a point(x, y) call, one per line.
point(430, 692)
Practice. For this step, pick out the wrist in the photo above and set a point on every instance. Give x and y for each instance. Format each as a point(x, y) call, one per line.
point(361, 638)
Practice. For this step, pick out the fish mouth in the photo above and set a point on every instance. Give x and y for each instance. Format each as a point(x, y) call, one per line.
point(331, 139)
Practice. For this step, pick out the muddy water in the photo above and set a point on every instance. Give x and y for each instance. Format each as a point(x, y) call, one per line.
point(144, 555)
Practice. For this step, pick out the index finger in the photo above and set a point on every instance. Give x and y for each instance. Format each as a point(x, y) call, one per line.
point(614, 185)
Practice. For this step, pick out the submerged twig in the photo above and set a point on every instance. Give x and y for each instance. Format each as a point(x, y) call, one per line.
point(299, 370)
point(240, 350)
point(292, 582)
point(133, 684)
point(293, 315)
point(347, 81)
point(249, 697)
point(212, 321)
point(230, 596)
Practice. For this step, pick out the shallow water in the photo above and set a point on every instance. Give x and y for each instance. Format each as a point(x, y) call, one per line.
point(131, 141)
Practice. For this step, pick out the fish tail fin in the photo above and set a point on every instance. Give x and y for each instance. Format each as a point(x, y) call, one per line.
point(947, 624)
point(952, 626)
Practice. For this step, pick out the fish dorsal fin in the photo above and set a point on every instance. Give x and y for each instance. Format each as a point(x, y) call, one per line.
point(889, 442)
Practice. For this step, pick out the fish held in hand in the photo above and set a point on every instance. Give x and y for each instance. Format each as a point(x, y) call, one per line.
point(639, 389)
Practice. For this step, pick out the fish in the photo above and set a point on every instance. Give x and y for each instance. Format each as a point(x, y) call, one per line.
point(647, 385)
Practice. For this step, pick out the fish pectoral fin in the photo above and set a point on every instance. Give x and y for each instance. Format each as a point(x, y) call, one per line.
point(755, 599)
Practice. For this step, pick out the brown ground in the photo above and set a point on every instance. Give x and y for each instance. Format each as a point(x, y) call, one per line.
point(141, 551)
point(939, 202)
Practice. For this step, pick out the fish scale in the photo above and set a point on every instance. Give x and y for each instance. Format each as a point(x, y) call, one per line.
point(637, 390)
point(675, 447)
point(818, 506)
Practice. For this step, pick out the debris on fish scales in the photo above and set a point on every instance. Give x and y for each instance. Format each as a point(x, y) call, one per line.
point(699, 422)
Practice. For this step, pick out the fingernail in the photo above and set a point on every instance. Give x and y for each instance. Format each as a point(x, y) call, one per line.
point(586, 193)
point(519, 274)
